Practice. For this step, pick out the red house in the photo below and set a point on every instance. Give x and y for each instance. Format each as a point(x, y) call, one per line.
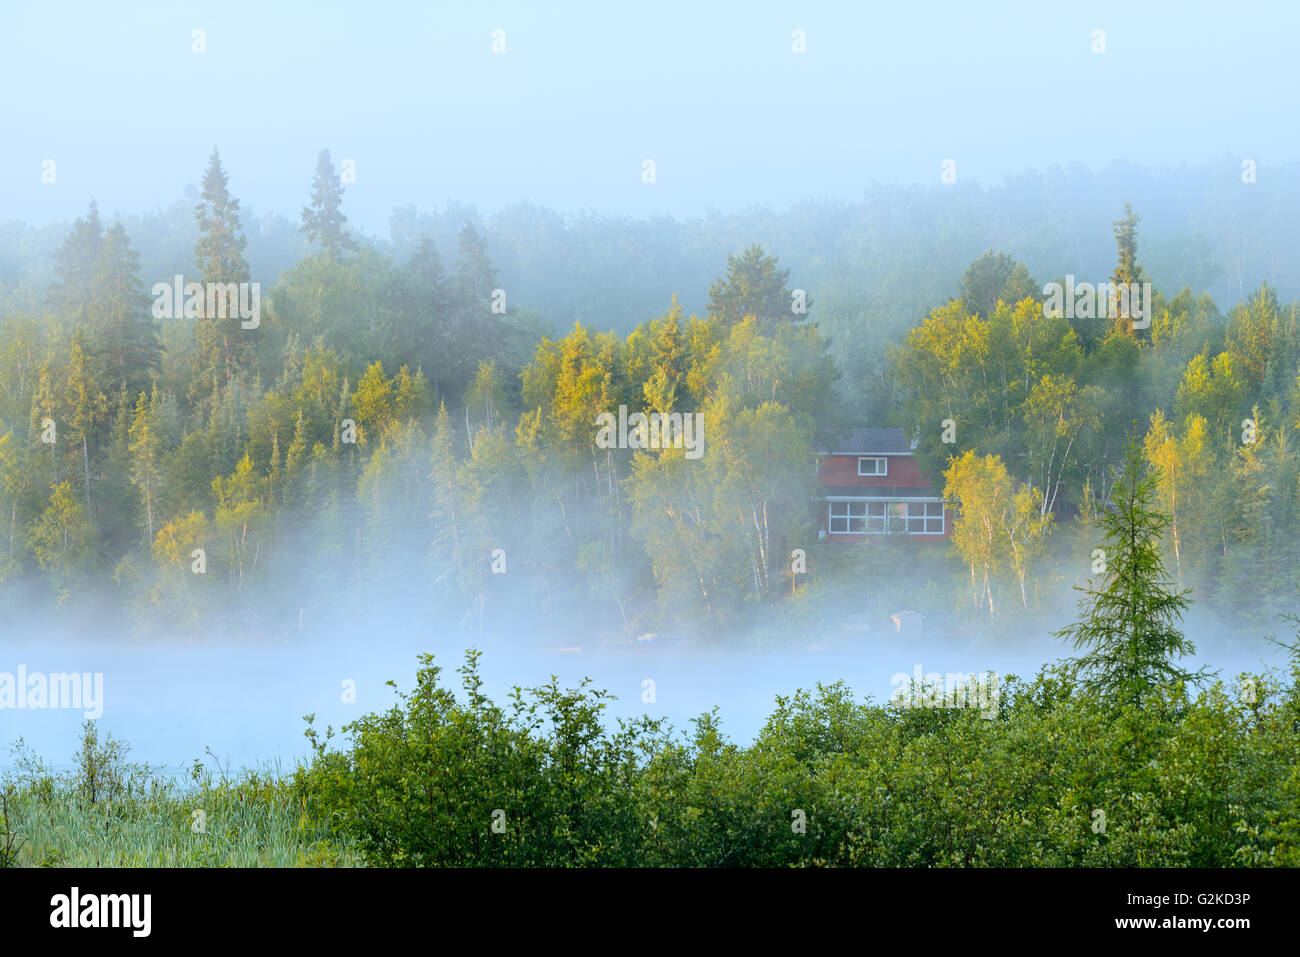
point(871, 485)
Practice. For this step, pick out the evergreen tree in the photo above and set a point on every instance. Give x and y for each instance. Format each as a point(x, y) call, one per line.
point(1130, 619)
point(431, 307)
point(426, 264)
point(219, 254)
point(126, 333)
point(753, 286)
point(474, 332)
point(475, 277)
point(219, 251)
point(323, 221)
point(1127, 270)
point(75, 263)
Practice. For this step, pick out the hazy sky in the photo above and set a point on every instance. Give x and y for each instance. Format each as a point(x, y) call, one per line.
point(712, 92)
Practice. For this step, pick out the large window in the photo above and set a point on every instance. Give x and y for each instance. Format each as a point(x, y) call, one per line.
point(873, 465)
point(924, 518)
point(877, 518)
point(848, 517)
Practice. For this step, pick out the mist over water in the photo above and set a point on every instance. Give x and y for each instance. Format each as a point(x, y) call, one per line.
point(170, 701)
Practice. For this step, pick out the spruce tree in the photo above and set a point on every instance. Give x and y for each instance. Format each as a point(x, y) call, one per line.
point(430, 301)
point(753, 286)
point(1129, 626)
point(475, 277)
point(1127, 270)
point(323, 221)
point(1126, 265)
point(219, 254)
point(125, 331)
point(75, 262)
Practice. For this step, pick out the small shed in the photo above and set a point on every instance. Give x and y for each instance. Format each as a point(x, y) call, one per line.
point(908, 623)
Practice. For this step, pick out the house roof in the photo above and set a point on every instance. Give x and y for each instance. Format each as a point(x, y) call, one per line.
point(869, 442)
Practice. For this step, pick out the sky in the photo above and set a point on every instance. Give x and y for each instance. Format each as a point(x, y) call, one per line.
point(583, 94)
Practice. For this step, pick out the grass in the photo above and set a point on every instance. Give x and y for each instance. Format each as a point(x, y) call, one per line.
point(109, 813)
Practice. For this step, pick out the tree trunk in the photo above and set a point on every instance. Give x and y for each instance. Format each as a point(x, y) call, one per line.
point(85, 458)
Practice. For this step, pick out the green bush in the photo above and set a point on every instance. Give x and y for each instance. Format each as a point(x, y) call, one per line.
point(1060, 777)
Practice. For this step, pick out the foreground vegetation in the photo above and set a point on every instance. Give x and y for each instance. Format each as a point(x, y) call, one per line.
point(110, 812)
point(1059, 777)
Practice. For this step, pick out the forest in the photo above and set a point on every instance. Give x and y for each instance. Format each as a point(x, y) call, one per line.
point(398, 427)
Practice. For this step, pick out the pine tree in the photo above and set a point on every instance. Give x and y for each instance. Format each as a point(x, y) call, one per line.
point(1130, 619)
point(75, 263)
point(474, 332)
point(1127, 270)
point(219, 254)
point(323, 221)
point(753, 286)
point(430, 302)
point(426, 264)
point(475, 277)
point(125, 330)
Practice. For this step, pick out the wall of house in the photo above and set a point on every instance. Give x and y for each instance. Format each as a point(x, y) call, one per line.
point(839, 470)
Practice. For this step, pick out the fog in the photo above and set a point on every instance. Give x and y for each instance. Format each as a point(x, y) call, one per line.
point(171, 701)
point(534, 129)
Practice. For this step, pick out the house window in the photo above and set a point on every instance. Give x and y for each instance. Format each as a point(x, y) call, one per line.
point(924, 518)
point(848, 518)
point(873, 465)
point(879, 518)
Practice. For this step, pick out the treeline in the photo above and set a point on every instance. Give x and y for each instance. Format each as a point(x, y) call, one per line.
point(402, 434)
point(877, 264)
